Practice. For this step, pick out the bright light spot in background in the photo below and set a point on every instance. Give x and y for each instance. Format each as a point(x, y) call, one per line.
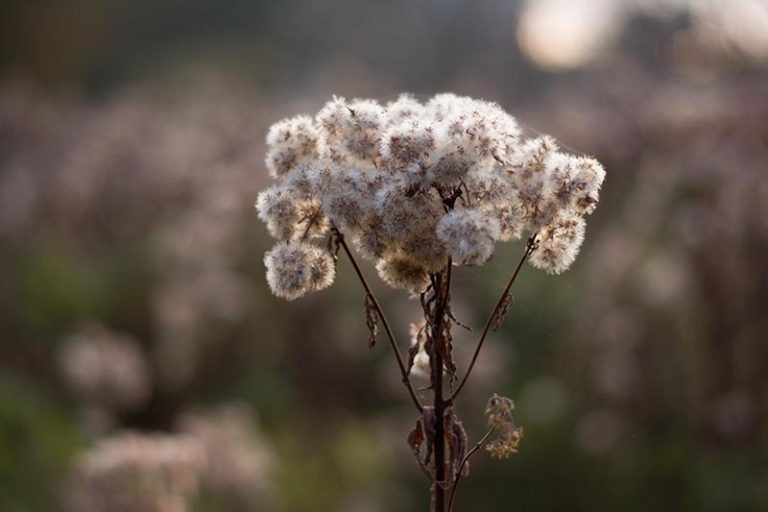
point(543, 400)
point(742, 24)
point(567, 34)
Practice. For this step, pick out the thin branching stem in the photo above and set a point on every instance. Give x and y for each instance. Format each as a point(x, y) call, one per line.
point(529, 248)
point(384, 322)
point(464, 461)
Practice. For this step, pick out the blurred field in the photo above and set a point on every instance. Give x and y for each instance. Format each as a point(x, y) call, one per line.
point(132, 294)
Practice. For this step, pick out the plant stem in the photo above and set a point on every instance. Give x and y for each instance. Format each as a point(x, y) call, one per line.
point(529, 248)
point(439, 449)
point(384, 322)
point(439, 340)
point(464, 463)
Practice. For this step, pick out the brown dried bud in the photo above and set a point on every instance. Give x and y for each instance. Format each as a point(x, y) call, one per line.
point(499, 413)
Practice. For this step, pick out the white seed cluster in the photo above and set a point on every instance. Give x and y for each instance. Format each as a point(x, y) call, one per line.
point(411, 184)
point(295, 267)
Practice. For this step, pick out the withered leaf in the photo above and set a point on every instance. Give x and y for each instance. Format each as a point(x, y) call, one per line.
point(416, 437)
point(371, 320)
point(501, 312)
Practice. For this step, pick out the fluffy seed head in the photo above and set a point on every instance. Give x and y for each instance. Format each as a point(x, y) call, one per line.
point(295, 268)
point(559, 244)
point(405, 107)
point(410, 183)
point(408, 143)
point(403, 273)
point(277, 208)
point(468, 235)
point(289, 142)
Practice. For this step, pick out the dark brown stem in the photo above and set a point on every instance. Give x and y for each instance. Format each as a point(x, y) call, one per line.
point(442, 288)
point(384, 322)
point(439, 449)
point(464, 463)
point(529, 248)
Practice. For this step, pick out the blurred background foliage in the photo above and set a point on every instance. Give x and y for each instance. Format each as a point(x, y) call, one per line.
point(132, 295)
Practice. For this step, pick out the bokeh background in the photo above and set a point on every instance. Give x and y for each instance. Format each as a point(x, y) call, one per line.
point(141, 353)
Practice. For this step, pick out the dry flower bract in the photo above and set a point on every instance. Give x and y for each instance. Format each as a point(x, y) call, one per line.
point(499, 413)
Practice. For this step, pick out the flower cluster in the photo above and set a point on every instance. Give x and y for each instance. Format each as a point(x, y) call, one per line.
point(412, 184)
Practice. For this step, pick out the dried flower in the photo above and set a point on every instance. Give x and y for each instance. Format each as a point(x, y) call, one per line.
point(558, 244)
point(499, 413)
point(290, 141)
point(295, 268)
point(418, 358)
point(411, 184)
point(400, 271)
point(468, 235)
point(416, 187)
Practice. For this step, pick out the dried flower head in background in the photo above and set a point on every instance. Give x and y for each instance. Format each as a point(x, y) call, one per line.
point(106, 369)
point(238, 463)
point(138, 473)
point(383, 174)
